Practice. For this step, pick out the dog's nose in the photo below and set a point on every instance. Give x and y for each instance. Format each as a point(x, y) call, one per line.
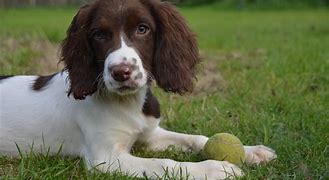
point(120, 72)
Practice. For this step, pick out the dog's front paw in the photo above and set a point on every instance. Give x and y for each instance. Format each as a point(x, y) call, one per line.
point(214, 170)
point(259, 154)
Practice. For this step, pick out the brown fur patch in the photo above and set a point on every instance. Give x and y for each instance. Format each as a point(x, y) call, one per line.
point(5, 77)
point(151, 105)
point(41, 82)
point(176, 54)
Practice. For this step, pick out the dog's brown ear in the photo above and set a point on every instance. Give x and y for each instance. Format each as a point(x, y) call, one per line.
point(176, 54)
point(78, 56)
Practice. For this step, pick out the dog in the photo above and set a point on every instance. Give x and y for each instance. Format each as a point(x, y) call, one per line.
point(101, 103)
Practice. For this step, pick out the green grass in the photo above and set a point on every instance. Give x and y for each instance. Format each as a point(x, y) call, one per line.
point(44, 22)
point(276, 92)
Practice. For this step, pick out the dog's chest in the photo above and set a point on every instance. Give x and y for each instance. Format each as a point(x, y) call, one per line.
point(113, 116)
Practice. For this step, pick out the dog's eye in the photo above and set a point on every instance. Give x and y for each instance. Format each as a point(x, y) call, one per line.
point(98, 35)
point(142, 29)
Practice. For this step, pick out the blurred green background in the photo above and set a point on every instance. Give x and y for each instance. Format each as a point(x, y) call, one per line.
point(224, 3)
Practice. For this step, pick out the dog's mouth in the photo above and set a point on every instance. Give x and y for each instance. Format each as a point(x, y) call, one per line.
point(126, 88)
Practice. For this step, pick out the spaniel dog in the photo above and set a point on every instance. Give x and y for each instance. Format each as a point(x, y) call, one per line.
point(101, 103)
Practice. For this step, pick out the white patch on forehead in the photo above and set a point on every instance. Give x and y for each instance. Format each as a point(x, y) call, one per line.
point(123, 43)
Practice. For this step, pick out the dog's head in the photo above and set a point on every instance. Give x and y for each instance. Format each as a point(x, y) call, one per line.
point(121, 45)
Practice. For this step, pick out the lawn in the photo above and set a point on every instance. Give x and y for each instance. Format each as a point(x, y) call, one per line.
point(267, 82)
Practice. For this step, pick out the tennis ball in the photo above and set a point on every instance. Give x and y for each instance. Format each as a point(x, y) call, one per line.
point(224, 147)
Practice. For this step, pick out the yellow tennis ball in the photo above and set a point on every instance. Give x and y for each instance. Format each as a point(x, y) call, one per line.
point(224, 147)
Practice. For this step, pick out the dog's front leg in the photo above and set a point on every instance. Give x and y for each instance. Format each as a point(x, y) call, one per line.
point(160, 139)
point(162, 168)
point(259, 154)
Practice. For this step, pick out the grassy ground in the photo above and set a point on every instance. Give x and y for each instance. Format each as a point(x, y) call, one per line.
point(267, 82)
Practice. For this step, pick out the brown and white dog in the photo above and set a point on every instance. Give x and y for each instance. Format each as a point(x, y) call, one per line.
point(101, 103)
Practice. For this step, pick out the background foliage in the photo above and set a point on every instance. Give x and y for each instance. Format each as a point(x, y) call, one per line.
point(259, 3)
point(226, 3)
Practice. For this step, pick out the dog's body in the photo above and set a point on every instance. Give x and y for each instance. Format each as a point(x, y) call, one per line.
point(101, 104)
